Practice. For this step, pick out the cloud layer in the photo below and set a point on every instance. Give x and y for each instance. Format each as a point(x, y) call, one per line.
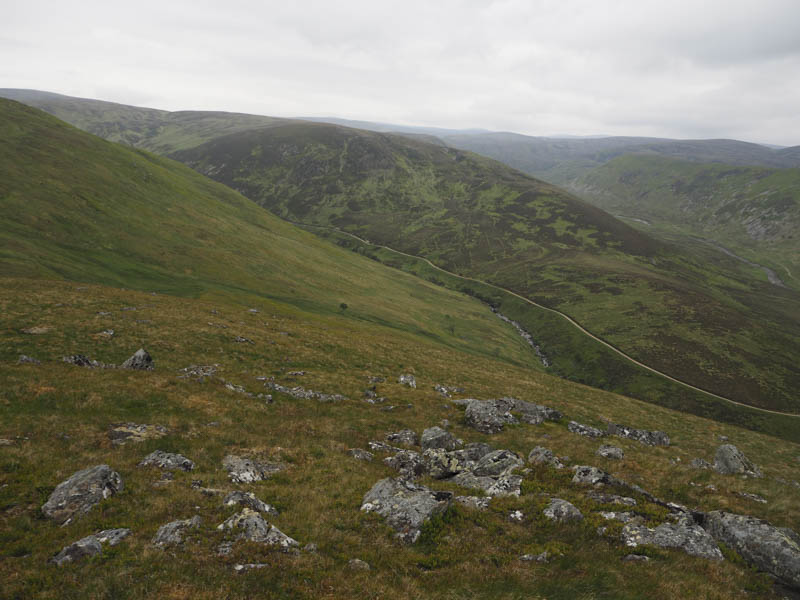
point(679, 69)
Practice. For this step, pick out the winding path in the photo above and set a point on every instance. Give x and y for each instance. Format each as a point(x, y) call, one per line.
point(552, 310)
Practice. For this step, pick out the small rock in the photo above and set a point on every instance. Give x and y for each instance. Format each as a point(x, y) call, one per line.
point(253, 528)
point(36, 330)
point(516, 516)
point(249, 500)
point(753, 497)
point(476, 502)
point(729, 460)
point(562, 511)
point(408, 380)
point(168, 461)
point(88, 546)
point(382, 447)
point(588, 475)
point(122, 433)
point(240, 339)
point(611, 498)
point(360, 454)
point(80, 360)
point(356, 564)
point(408, 463)
point(497, 463)
point(106, 333)
point(585, 430)
point(544, 456)
point(374, 379)
point(636, 558)
point(622, 517)
point(112, 537)
point(172, 533)
point(700, 463)
point(78, 494)
point(245, 470)
point(489, 416)
point(198, 372)
point(649, 438)
point(406, 437)
point(613, 452)
point(23, 359)
point(140, 361)
point(239, 568)
point(6, 442)
point(692, 539)
point(311, 548)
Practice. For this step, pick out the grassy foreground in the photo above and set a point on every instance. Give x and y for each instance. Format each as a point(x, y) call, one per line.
point(58, 418)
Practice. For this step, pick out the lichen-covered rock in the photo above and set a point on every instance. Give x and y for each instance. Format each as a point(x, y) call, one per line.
point(507, 484)
point(534, 414)
point(140, 361)
point(649, 438)
point(122, 433)
point(496, 463)
point(172, 533)
point(245, 470)
point(167, 461)
point(729, 460)
point(407, 380)
point(476, 502)
point(249, 500)
point(112, 537)
point(489, 416)
point(441, 464)
point(405, 437)
point(775, 550)
point(360, 454)
point(544, 456)
point(404, 505)
point(407, 462)
point(562, 511)
point(692, 539)
point(585, 430)
point(88, 546)
point(78, 494)
point(607, 451)
point(588, 475)
point(252, 527)
point(436, 437)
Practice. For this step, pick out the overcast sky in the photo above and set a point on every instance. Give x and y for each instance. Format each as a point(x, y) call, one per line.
point(687, 69)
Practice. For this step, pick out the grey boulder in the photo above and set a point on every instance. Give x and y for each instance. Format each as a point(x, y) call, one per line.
point(649, 438)
point(562, 511)
point(88, 546)
point(245, 470)
point(534, 414)
point(140, 361)
point(407, 462)
point(490, 416)
point(585, 430)
point(404, 505)
point(249, 500)
point(252, 527)
point(607, 451)
point(690, 538)
point(775, 550)
point(588, 475)
point(167, 461)
point(407, 380)
point(729, 460)
point(172, 533)
point(405, 437)
point(78, 494)
point(436, 437)
point(496, 463)
point(544, 456)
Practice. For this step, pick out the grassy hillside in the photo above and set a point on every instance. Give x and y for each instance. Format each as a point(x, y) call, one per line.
point(79, 208)
point(727, 331)
point(754, 211)
point(58, 416)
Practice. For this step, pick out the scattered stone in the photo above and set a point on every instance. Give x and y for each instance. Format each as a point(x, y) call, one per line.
point(253, 311)
point(610, 498)
point(562, 511)
point(476, 502)
point(404, 505)
point(36, 330)
point(507, 484)
point(172, 533)
point(123, 433)
point(245, 470)
point(585, 430)
point(78, 494)
point(239, 568)
point(700, 463)
point(408, 463)
point(127, 308)
point(88, 546)
point(753, 497)
point(225, 548)
point(23, 359)
point(436, 437)
point(636, 558)
point(295, 373)
point(360, 454)
point(544, 456)
point(408, 380)
point(240, 339)
point(775, 550)
point(356, 564)
point(253, 528)
point(729, 460)
point(441, 464)
point(112, 537)
point(167, 460)
point(489, 416)
point(140, 361)
point(300, 393)
point(722, 438)
point(447, 391)
point(375, 379)
point(198, 372)
point(249, 500)
point(613, 452)
point(622, 517)
point(6, 442)
point(649, 438)
point(406, 437)
point(106, 333)
point(80, 360)
point(692, 539)
point(383, 447)
point(497, 463)
point(587, 475)
point(311, 548)
point(539, 558)
point(516, 516)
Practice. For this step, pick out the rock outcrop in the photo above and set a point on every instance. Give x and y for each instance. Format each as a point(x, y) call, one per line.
point(729, 460)
point(690, 538)
point(585, 430)
point(404, 505)
point(252, 527)
point(404, 437)
point(436, 437)
point(649, 438)
point(407, 380)
point(245, 470)
point(171, 534)
point(78, 494)
point(167, 461)
point(489, 416)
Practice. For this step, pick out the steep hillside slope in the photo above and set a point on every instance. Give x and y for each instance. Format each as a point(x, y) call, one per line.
point(470, 215)
point(80, 208)
point(755, 211)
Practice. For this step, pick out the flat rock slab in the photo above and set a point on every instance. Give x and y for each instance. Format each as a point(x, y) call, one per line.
point(172, 533)
point(404, 505)
point(122, 433)
point(585, 430)
point(78, 494)
point(692, 539)
point(245, 470)
point(167, 461)
point(251, 526)
point(775, 550)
